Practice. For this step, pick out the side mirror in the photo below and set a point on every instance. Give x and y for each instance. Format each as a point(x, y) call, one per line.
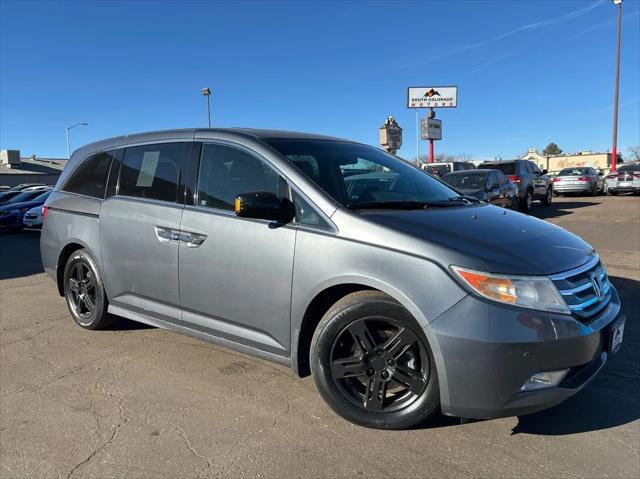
point(263, 205)
point(490, 188)
point(544, 172)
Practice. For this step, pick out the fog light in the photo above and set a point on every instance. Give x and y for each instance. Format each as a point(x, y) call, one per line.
point(547, 379)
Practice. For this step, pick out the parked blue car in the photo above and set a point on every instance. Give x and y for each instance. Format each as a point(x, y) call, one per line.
point(11, 213)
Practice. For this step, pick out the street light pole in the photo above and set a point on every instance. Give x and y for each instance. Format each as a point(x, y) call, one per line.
point(207, 92)
point(614, 148)
point(68, 142)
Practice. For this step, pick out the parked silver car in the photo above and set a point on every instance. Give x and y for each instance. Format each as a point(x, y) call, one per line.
point(578, 180)
point(625, 179)
point(33, 218)
point(400, 296)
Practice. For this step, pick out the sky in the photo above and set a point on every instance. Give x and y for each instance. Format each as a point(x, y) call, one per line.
point(528, 72)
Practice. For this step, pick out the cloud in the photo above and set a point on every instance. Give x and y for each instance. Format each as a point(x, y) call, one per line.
point(486, 64)
point(608, 23)
point(530, 26)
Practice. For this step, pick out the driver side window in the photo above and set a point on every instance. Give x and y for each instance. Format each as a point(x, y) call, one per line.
point(226, 172)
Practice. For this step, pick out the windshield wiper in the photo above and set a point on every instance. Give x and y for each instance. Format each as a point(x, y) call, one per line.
point(401, 205)
point(463, 198)
point(395, 205)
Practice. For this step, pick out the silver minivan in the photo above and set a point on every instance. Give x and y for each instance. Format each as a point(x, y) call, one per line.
point(401, 297)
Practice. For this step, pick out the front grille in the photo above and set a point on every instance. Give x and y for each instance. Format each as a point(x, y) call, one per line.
point(586, 289)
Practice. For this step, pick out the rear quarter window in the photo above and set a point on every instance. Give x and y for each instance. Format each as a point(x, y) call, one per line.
point(90, 176)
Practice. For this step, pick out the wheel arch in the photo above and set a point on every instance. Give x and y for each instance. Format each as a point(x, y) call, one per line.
point(326, 296)
point(63, 257)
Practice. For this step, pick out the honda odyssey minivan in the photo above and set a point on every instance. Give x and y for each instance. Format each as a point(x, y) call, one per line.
point(400, 296)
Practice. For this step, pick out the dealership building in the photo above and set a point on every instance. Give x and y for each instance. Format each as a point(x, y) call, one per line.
point(554, 163)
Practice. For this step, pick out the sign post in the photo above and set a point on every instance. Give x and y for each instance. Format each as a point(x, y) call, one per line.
point(432, 97)
point(391, 135)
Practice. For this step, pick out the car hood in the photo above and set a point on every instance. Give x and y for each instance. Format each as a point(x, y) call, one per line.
point(22, 204)
point(502, 241)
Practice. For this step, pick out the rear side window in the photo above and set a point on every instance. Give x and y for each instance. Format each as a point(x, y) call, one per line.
point(152, 171)
point(90, 177)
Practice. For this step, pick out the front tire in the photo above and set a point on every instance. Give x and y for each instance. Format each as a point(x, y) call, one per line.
point(84, 292)
point(548, 197)
point(372, 364)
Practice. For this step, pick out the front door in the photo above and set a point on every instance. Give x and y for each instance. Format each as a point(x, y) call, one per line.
point(138, 231)
point(235, 273)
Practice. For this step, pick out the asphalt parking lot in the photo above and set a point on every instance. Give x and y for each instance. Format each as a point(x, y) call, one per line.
point(136, 401)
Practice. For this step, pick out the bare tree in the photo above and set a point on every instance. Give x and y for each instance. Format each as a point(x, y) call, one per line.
point(634, 152)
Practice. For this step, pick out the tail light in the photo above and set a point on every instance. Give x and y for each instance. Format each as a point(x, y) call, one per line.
point(555, 179)
point(515, 179)
point(584, 178)
point(44, 212)
point(612, 176)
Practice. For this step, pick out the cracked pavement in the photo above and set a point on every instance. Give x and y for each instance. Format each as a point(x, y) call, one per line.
point(139, 402)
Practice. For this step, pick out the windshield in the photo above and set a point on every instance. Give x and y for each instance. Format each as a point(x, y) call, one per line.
point(573, 171)
point(470, 181)
point(507, 168)
point(43, 196)
point(361, 176)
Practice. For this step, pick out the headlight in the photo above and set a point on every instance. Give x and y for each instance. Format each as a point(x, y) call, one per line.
point(536, 292)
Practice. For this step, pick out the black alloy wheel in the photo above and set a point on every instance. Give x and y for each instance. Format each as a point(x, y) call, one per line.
point(84, 292)
point(82, 288)
point(379, 365)
point(372, 363)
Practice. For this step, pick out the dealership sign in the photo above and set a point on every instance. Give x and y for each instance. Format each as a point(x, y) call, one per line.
point(432, 97)
point(391, 135)
point(431, 129)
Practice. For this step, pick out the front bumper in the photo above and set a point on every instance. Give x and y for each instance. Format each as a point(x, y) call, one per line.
point(487, 351)
point(11, 221)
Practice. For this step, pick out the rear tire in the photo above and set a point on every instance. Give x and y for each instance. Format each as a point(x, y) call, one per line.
point(372, 364)
point(526, 205)
point(84, 292)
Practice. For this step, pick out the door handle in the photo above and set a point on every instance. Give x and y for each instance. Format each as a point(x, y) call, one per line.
point(191, 240)
point(166, 235)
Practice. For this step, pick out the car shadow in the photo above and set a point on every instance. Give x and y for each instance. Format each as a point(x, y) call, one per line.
point(556, 209)
point(20, 254)
point(613, 397)
point(124, 324)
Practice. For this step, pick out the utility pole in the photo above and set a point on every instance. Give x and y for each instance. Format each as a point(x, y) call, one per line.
point(207, 92)
point(432, 115)
point(614, 148)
